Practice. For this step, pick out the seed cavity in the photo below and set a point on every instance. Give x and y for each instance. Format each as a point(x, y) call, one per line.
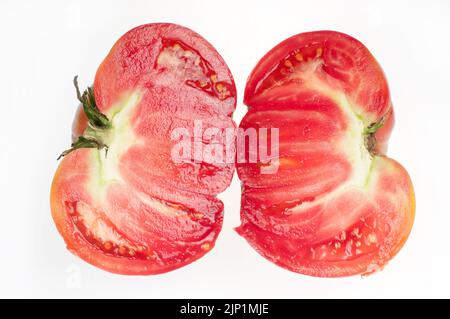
point(98, 230)
point(297, 65)
point(186, 64)
point(358, 240)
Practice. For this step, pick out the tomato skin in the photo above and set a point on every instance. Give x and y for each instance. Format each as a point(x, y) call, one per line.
point(337, 205)
point(134, 211)
point(80, 123)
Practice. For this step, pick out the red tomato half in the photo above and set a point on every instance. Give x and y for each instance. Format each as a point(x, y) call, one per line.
point(336, 205)
point(134, 210)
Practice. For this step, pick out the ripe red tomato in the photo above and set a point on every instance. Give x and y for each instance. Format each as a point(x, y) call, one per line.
point(117, 198)
point(337, 205)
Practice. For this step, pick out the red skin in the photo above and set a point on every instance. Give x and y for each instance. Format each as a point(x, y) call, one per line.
point(185, 221)
point(331, 232)
point(80, 123)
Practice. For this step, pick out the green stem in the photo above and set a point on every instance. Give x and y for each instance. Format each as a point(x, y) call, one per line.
point(369, 135)
point(83, 142)
point(87, 99)
point(98, 123)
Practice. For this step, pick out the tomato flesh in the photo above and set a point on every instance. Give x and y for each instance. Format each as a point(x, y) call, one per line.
point(336, 205)
point(134, 210)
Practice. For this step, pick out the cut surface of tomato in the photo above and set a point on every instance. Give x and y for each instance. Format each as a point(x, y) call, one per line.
point(336, 205)
point(126, 206)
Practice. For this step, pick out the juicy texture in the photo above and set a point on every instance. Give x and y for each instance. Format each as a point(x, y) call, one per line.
point(133, 210)
point(337, 205)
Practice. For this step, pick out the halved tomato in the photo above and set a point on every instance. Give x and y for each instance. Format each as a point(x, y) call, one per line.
point(336, 205)
point(118, 199)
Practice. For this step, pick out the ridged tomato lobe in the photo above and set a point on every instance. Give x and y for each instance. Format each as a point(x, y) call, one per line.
point(335, 205)
point(130, 207)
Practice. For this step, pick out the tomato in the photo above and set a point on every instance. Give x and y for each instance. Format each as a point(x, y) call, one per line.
point(336, 205)
point(118, 199)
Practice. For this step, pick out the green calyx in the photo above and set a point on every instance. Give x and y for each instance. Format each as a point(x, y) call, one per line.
point(370, 140)
point(99, 126)
point(87, 99)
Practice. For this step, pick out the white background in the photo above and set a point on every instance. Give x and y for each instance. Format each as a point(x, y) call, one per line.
point(45, 43)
